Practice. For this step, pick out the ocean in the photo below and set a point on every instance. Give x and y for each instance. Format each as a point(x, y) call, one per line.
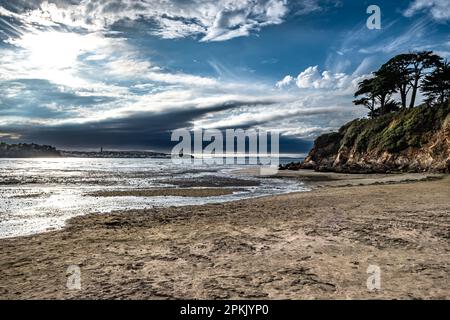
point(40, 195)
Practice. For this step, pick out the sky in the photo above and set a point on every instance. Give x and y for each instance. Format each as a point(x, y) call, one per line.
point(85, 74)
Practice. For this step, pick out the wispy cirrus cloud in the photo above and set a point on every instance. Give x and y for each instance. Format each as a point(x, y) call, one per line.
point(439, 10)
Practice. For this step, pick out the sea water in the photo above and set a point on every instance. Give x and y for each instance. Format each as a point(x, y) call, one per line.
point(39, 195)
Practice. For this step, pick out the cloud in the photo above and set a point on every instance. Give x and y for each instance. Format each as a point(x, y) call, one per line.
point(265, 115)
point(240, 19)
point(320, 102)
point(312, 78)
point(136, 128)
point(438, 9)
point(216, 20)
point(173, 29)
point(285, 82)
point(414, 37)
point(40, 100)
point(365, 67)
point(303, 117)
point(11, 136)
point(308, 6)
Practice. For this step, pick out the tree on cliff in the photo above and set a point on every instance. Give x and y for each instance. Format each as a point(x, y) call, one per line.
point(403, 74)
point(436, 85)
point(399, 70)
point(376, 93)
point(407, 72)
point(422, 64)
point(368, 101)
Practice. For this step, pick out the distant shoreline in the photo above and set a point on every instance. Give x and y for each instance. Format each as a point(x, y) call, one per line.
point(114, 154)
point(28, 151)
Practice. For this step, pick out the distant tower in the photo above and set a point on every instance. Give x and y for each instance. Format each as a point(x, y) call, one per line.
point(101, 150)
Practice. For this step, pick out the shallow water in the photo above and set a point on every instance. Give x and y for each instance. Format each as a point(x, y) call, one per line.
point(39, 195)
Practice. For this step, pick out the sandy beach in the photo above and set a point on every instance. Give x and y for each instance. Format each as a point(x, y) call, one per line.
point(307, 245)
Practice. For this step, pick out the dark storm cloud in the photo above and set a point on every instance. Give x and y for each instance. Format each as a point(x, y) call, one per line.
point(140, 131)
point(294, 145)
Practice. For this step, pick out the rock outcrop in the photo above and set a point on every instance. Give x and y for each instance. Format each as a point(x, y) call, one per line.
point(411, 140)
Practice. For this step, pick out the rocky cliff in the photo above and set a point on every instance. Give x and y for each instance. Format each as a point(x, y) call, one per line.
point(411, 140)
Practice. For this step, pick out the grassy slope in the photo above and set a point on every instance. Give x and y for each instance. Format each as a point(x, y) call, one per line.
point(396, 131)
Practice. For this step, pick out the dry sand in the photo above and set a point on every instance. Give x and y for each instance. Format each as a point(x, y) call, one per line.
point(308, 245)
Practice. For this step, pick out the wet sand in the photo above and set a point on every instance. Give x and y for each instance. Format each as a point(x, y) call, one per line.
point(306, 245)
point(168, 192)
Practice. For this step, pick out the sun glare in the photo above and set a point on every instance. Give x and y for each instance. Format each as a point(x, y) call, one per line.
point(52, 50)
point(55, 55)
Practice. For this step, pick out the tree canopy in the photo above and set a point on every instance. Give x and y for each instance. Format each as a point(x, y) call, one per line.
point(405, 74)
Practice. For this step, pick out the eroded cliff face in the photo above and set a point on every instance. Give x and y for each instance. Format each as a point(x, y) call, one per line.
point(412, 140)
